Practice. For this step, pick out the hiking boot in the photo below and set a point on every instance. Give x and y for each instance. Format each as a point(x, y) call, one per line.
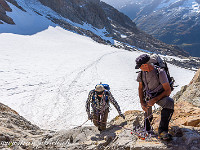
point(165, 136)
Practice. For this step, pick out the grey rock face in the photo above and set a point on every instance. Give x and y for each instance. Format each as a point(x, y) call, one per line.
point(79, 11)
point(191, 92)
point(3, 8)
point(190, 63)
point(6, 19)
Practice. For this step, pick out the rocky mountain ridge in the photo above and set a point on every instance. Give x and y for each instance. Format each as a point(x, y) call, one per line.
point(99, 15)
point(18, 133)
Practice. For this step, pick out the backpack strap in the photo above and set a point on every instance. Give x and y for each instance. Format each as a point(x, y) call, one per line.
point(144, 82)
point(106, 96)
point(170, 79)
point(145, 86)
point(147, 93)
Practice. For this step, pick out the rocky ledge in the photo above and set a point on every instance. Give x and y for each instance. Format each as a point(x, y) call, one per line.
point(18, 133)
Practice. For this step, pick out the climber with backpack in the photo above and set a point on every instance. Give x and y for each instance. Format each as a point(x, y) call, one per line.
point(99, 98)
point(155, 86)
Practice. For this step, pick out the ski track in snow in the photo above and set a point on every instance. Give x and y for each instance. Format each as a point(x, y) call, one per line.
point(67, 87)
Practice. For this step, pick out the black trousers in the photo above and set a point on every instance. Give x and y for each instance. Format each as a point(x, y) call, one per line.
point(167, 105)
point(166, 115)
point(100, 119)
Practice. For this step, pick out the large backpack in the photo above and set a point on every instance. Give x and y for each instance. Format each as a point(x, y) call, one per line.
point(106, 86)
point(161, 64)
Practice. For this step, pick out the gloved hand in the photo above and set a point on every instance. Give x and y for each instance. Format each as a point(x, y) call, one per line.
point(122, 115)
point(90, 117)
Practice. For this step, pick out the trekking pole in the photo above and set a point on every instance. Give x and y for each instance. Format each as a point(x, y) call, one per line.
point(82, 124)
point(151, 113)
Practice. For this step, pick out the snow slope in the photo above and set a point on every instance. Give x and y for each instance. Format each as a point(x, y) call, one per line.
point(46, 77)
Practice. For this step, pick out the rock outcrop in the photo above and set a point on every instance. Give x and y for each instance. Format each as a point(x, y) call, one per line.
point(18, 133)
point(4, 7)
point(190, 92)
point(80, 11)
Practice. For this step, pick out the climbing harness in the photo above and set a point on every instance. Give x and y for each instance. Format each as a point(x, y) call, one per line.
point(142, 132)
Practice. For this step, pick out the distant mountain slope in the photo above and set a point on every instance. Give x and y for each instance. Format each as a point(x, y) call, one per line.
point(172, 21)
point(92, 18)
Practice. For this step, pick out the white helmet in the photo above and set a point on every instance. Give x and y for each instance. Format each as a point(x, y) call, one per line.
point(99, 88)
